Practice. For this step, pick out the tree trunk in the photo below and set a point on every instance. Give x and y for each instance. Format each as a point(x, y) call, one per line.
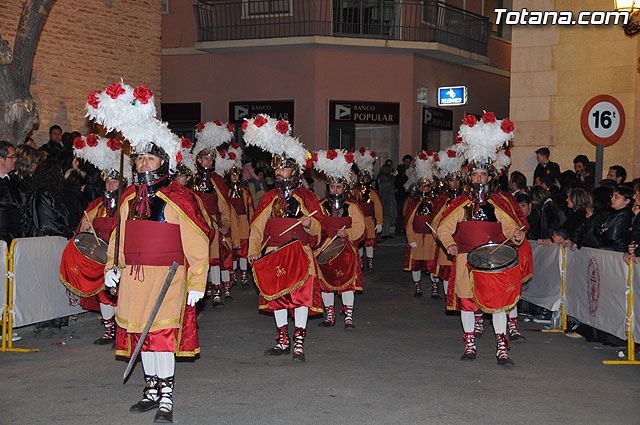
point(18, 112)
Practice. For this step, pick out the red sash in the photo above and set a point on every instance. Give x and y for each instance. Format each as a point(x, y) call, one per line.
point(420, 224)
point(275, 226)
point(470, 234)
point(104, 226)
point(281, 271)
point(332, 224)
point(210, 201)
point(367, 208)
point(152, 243)
point(239, 205)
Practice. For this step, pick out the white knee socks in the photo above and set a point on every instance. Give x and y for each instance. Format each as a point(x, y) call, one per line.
point(243, 264)
point(416, 276)
point(468, 321)
point(225, 275)
point(369, 251)
point(500, 322)
point(328, 299)
point(348, 298)
point(107, 311)
point(301, 317)
point(281, 317)
point(214, 275)
point(513, 313)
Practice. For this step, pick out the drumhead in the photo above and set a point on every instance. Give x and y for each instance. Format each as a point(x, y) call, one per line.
point(90, 248)
point(331, 251)
point(480, 258)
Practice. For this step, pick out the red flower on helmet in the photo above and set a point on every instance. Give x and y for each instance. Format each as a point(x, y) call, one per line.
point(314, 157)
point(488, 117)
point(232, 155)
point(508, 153)
point(332, 154)
point(451, 153)
point(429, 153)
point(235, 145)
point(373, 154)
point(114, 90)
point(186, 143)
point(363, 150)
point(222, 154)
point(282, 127)
point(458, 138)
point(309, 163)
point(260, 121)
point(114, 144)
point(470, 120)
point(179, 157)
point(230, 127)
point(92, 99)
point(143, 94)
point(436, 158)
point(348, 157)
point(422, 156)
point(92, 140)
point(218, 123)
point(200, 127)
point(506, 126)
point(245, 125)
point(78, 143)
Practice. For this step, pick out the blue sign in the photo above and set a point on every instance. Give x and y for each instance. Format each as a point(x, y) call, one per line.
point(452, 96)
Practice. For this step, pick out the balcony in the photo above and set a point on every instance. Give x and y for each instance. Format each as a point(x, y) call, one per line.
point(383, 20)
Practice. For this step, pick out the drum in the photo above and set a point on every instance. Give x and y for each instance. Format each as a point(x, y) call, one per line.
point(282, 270)
point(338, 264)
point(495, 277)
point(82, 265)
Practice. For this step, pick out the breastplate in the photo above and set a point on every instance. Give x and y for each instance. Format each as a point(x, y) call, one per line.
point(331, 210)
point(425, 208)
point(290, 209)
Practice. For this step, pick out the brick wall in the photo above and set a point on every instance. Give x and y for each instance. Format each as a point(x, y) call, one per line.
point(84, 46)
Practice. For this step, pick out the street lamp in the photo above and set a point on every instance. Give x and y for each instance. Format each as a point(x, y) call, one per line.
point(632, 7)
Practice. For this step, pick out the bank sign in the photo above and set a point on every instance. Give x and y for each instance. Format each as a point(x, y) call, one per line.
point(356, 112)
point(278, 109)
point(452, 96)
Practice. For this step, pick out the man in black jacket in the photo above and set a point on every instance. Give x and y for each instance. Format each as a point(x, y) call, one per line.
point(11, 197)
point(54, 145)
point(545, 167)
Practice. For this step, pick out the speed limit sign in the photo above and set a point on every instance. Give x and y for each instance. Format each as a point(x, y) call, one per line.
point(602, 120)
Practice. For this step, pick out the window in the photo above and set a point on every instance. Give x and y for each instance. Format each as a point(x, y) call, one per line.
point(165, 6)
point(268, 7)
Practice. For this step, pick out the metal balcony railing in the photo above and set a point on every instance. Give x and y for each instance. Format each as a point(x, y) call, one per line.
point(420, 21)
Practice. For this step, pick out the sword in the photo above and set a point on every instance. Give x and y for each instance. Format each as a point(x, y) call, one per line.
point(152, 316)
point(116, 257)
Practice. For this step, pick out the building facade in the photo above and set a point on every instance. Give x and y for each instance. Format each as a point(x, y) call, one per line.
point(86, 45)
point(344, 73)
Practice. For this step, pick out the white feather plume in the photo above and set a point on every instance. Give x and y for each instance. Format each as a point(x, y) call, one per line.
point(364, 159)
point(337, 168)
point(448, 165)
point(277, 142)
point(224, 164)
point(103, 157)
point(424, 166)
point(212, 134)
point(483, 140)
point(502, 161)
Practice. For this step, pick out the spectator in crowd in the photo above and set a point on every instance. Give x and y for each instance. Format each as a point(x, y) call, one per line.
point(596, 214)
point(46, 212)
point(67, 142)
point(545, 167)
point(634, 239)
point(73, 196)
point(518, 183)
point(11, 197)
point(560, 235)
point(387, 195)
point(260, 188)
point(54, 145)
point(26, 162)
point(614, 233)
point(577, 202)
point(532, 215)
point(551, 216)
point(28, 141)
point(617, 173)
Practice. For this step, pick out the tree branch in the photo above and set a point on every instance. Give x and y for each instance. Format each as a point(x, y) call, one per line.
point(33, 15)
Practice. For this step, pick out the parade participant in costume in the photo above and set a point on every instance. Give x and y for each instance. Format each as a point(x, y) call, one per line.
point(421, 243)
point(82, 275)
point(213, 191)
point(186, 168)
point(370, 203)
point(480, 217)
point(161, 222)
point(287, 222)
point(448, 171)
point(344, 220)
point(228, 164)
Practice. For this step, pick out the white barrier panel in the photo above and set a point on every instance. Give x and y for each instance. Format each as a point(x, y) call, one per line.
point(595, 291)
point(38, 293)
point(545, 287)
point(3, 275)
point(636, 302)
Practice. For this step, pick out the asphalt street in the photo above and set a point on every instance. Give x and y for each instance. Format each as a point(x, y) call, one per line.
point(401, 366)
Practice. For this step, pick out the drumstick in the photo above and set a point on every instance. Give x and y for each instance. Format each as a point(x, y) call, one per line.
point(432, 229)
point(297, 223)
point(332, 239)
point(92, 229)
point(510, 237)
point(265, 243)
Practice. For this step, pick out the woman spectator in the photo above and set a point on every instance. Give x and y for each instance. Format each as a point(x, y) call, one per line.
point(551, 217)
point(614, 232)
point(46, 212)
point(518, 183)
point(596, 213)
point(27, 159)
point(73, 196)
point(577, 203)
